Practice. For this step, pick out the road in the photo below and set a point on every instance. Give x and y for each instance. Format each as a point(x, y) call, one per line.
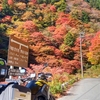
point(85, 89)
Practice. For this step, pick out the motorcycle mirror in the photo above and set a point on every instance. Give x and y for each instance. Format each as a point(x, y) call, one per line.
point(2, 62)
point(22, 71)
point(3, 68)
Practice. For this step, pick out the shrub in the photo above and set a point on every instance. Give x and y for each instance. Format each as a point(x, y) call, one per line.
point(56, 88)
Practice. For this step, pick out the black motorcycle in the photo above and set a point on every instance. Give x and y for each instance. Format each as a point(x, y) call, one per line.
point(40, 88)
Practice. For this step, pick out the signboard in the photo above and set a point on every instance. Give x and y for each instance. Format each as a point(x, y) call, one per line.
point(15, 72)
point(17, 53)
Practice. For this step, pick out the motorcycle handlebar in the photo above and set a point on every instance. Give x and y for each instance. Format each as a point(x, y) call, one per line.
point(26, 79)
point(48, 74)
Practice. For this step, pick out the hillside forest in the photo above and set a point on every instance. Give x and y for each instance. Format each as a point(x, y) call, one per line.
point(52, 28)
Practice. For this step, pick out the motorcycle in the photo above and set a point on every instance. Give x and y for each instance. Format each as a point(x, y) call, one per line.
point(13, 90)
point(40, 89)
point(36, 89)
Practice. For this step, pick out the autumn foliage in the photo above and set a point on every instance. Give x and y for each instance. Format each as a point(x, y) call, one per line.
point(52, 30)
point(10, 2)
point(94, 49)
point(29, 26)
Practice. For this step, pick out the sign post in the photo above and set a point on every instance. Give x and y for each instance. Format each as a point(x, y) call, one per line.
point(10, 77)
point(17, 53)
point(81, 56)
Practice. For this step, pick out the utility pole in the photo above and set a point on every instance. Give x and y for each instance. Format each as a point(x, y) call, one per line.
point(81, 56)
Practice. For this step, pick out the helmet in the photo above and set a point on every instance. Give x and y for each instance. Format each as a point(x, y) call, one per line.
point(3, 69)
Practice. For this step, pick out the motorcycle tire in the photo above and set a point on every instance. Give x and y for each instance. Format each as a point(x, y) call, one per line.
point(41, 98)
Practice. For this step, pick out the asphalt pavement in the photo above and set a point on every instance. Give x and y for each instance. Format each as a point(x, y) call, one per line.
point(85, 89)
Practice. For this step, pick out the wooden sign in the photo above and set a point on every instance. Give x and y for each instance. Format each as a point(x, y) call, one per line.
point(17, 53)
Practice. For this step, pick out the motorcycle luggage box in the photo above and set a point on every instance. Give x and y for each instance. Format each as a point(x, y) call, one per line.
point(21, 93)
point(15, 92)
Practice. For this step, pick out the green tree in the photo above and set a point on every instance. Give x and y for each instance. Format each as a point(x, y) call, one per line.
point(87, 0)
point(69, 39)
point(85, 17)
point(6, 9)
point(61, 5)
point(44, 1)
point(53, 1)
point(94, 3)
